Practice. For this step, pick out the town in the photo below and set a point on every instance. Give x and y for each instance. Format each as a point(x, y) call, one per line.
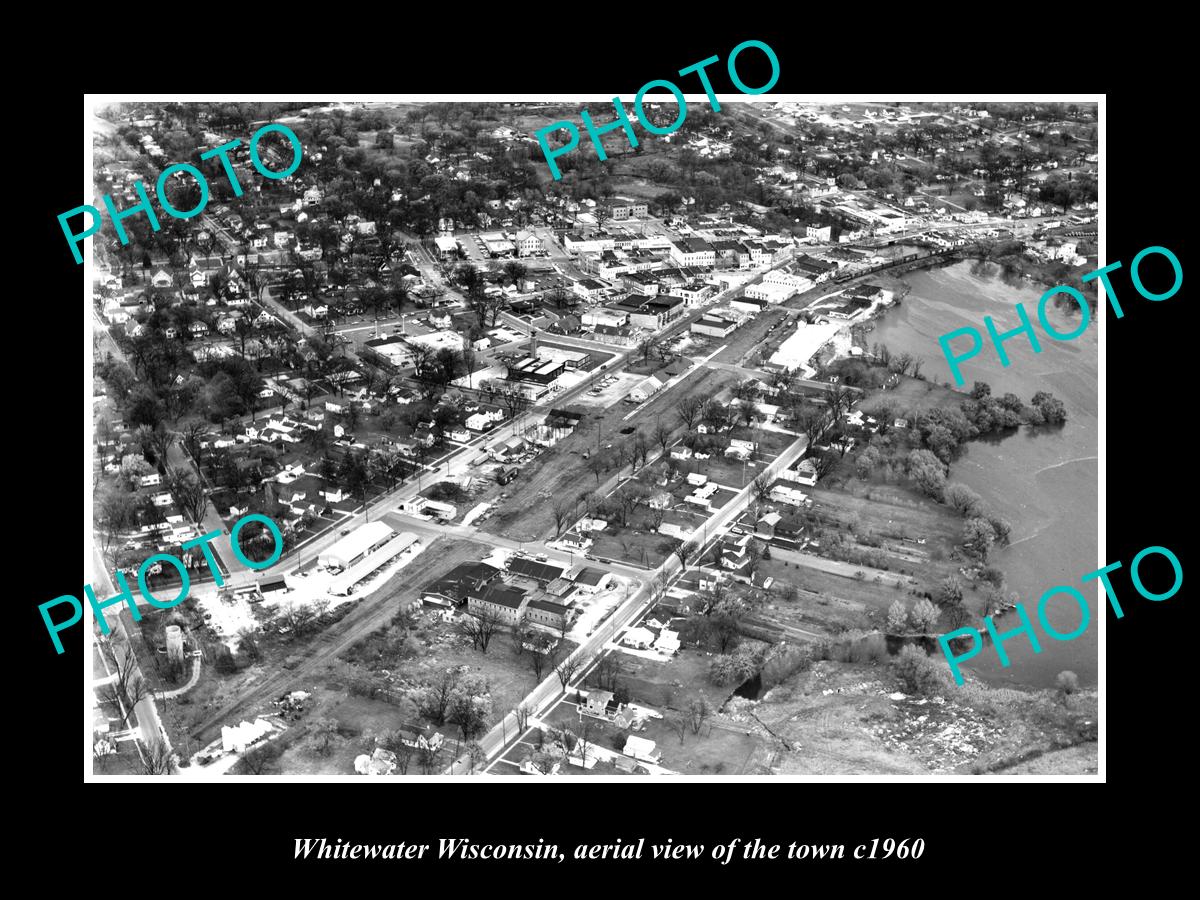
point(599, 474)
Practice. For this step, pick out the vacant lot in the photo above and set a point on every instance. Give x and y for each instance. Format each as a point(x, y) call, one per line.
point(839, 719)
point(669, 684)
point(438, 645)
point(287, 662)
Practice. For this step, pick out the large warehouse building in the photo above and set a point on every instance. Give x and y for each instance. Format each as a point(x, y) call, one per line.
point(356, 545)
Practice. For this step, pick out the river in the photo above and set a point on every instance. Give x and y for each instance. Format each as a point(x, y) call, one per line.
point(1043, 481)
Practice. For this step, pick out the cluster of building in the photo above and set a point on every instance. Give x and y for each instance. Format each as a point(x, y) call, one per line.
point(527, 592)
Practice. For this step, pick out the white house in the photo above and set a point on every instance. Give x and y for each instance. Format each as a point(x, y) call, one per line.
point(646, 389)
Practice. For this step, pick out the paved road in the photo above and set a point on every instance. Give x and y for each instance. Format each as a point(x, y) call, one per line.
point(149, 726)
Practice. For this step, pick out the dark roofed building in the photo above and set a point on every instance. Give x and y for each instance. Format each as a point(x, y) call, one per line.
point(531, 568)
point(454, 587)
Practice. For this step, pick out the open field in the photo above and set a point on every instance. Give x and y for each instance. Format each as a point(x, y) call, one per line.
point(666, 684)
point(840, 719)
point(912, 395)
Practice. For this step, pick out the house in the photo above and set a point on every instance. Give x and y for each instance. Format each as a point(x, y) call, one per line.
point(735, 552)
point(765, 527)
point(646, 389)
point(668, 642)
point(805, 473)
point(575, 541)
point(592, 581)
point(161, 279)
point(639, 638)
point(786, 494)
point(596, 704)
point(198, 328)
point(641, 749)
point(479, 421)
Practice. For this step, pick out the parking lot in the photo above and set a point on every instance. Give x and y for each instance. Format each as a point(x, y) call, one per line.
point(608, 390)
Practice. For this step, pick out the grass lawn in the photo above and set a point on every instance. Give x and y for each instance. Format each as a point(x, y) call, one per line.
point(911, 395)
point(671, 683)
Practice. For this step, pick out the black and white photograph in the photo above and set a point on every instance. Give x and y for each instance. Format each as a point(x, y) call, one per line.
point(746, 436)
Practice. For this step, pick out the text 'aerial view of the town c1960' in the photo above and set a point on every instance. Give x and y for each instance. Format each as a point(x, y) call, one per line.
point(656, 468)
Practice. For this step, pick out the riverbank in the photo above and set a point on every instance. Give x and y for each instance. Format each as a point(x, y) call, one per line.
point(1043, 481)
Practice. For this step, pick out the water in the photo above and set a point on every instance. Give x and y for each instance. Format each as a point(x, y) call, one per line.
point(1043, 481)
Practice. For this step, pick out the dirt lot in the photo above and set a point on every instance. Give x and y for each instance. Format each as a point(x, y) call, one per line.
point(839, 719)
point(749, 339)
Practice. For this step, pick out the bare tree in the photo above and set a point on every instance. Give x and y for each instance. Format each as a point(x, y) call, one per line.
point(698, 711)
point(259, 758)
point(607, 670)
point(188, 493)
point(157, 760)
point(562, 509)
point(127, 688)
point(540, 656)
point(435, 695)
point(685, 551)
point(690, 410)
point(520, 632)
point(583, 737)
point(480, 628)
point(762, 489)
point(567, 669)
point(475, 756)
point(662, 435)
point(522, 715)
point(839, 397)
point(678, 723)
point(659, 585)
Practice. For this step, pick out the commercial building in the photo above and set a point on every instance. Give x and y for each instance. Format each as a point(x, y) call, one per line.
point(504, 601)
point(373, 561)
point(357, 544)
